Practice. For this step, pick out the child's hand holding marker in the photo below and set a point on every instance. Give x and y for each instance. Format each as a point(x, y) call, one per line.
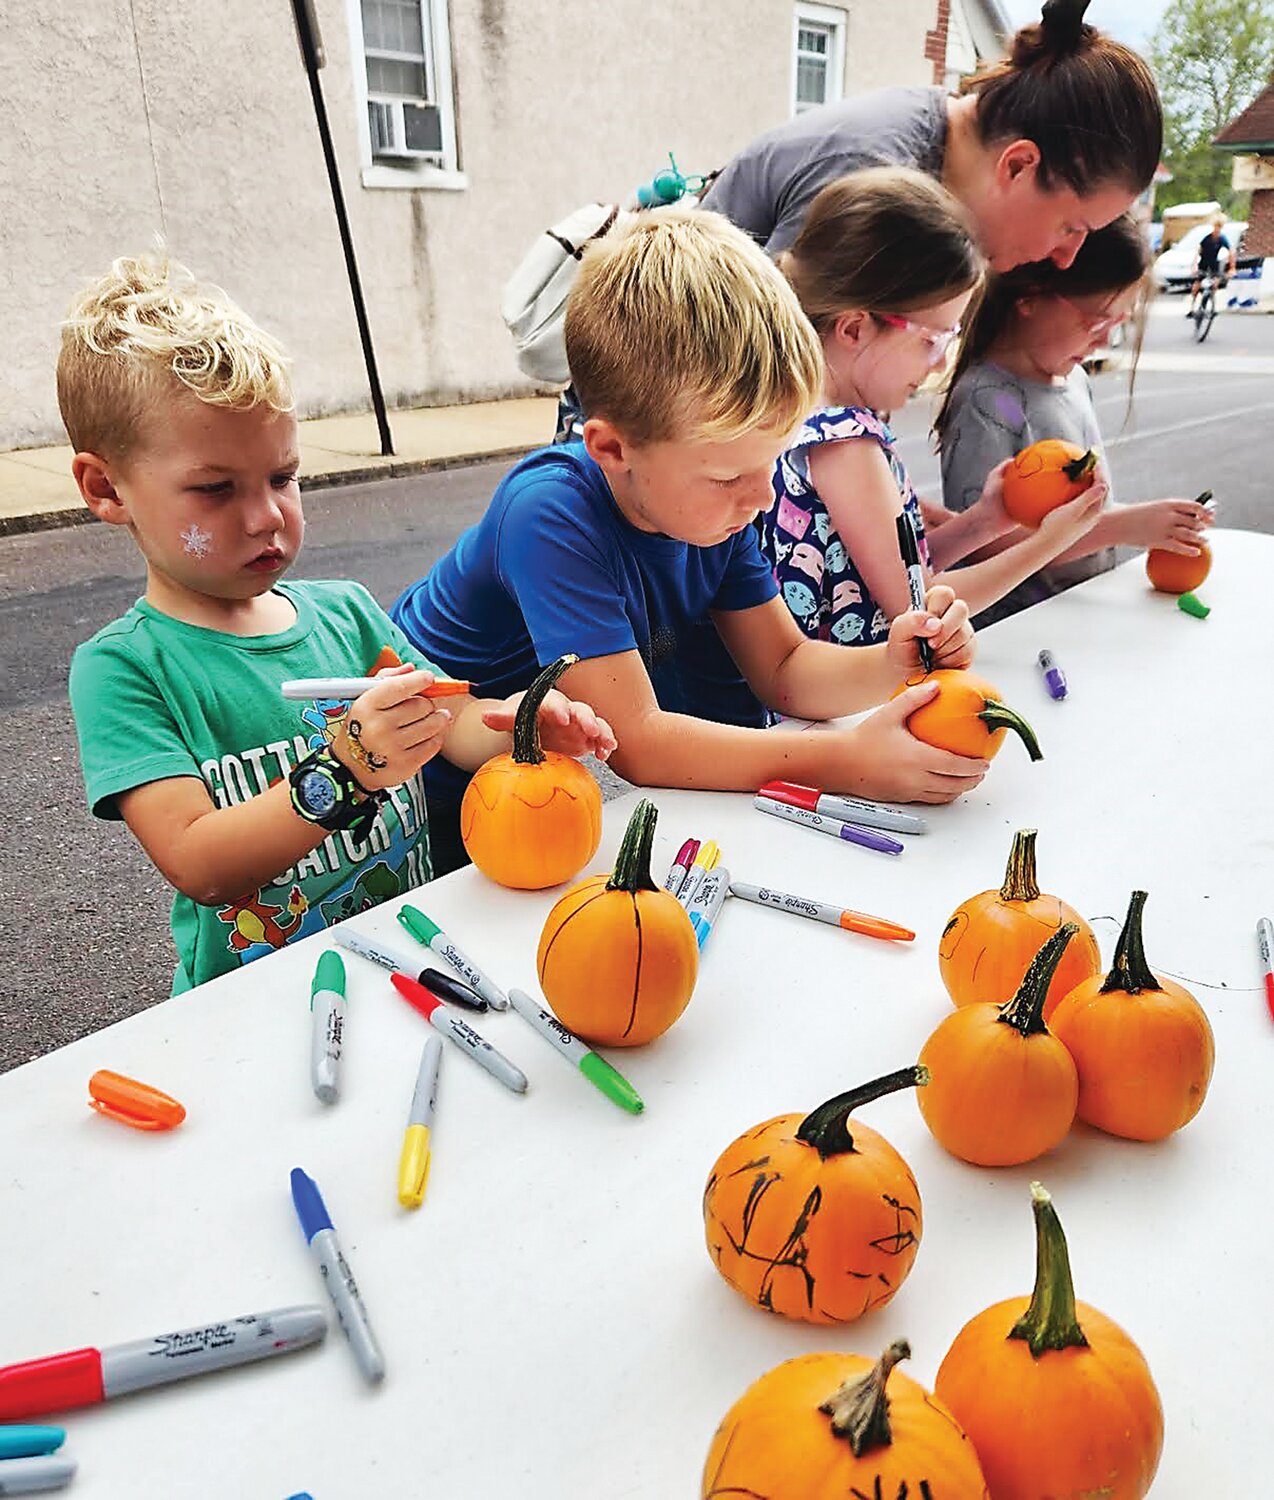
point(391, 730)
point(943, 625)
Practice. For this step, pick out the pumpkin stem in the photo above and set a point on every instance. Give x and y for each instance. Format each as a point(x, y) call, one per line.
point(1026, 1009)
point(827, 1127)
point(632, 865)
point(1020, 883)
point(1050, 1321)
point(1000, 716)
point(859, 1409)
point(1078, 467)
point(527, 750)
point(1130, 972)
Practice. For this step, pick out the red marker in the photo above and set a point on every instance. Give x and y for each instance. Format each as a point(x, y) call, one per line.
point(445, 1020)
point(1265, 941)
point(847, 809)
point(680, 866)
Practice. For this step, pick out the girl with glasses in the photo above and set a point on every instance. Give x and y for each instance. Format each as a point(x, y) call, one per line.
point(884, 267)
point(1020, 377)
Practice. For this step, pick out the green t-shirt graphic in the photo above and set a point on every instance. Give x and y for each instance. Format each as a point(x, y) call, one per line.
point(155, 698)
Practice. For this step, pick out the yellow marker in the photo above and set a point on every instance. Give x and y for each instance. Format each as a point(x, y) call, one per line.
point(413, 1165)
point(705, 860)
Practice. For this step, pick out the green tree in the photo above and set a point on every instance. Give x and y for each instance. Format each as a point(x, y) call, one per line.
point(1211, 59)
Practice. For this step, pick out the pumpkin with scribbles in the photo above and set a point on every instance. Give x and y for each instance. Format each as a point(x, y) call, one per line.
point(811, 1220)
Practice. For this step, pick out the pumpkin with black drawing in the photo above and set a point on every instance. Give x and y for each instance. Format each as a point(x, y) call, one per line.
point(1002, 1089)
point(1178, 572)
point(829, 1426)
point(966, 716)
point(1143, 1045)
point(532, 818)
point(618, 957)
point(989, 940)
point(1057, 1399)
point(1045, 475)
point(809, 1219)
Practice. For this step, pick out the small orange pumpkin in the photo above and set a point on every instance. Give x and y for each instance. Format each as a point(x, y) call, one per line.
point(967, 716)
point(618, 957)
point(809, 1221)
point(1057, 1399)
point(1044, 476)
point(532, 818)
point(825, 1427)
point(1175, 572)
point(1002, 1089)
point(990, 939)
point(1143, 1045)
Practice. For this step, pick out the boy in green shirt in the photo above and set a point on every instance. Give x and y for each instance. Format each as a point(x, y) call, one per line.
point(271, 819)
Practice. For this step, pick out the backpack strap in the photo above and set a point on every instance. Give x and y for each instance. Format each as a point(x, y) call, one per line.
point(577, 251)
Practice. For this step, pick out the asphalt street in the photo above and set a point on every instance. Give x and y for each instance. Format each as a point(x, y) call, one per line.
point(84, 916)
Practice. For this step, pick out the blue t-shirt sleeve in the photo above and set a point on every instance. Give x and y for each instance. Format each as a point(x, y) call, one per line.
point(566, 587)
point(748, 579)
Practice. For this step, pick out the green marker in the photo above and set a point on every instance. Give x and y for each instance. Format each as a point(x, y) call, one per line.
point(1193, 605)
point(327, 1031)
point(596, 1069)
point(427, 931)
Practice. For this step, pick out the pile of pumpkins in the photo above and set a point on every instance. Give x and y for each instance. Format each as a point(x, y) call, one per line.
point(813, 1220)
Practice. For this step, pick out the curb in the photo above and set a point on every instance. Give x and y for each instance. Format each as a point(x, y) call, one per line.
point(393, 468)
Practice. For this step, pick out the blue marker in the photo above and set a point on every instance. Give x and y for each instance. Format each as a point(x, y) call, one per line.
point(337, 1276)
point(1054, 677)
point(708, 901)
point(29, 1442)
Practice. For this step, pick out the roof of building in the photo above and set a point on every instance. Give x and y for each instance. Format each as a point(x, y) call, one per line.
point(1254, 127)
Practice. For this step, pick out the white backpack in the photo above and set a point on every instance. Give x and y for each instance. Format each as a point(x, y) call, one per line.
point(534, 303)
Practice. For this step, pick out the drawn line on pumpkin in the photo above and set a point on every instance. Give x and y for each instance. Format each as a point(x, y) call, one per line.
point(596, 896)
point(632, 1016)
point(1203, 984)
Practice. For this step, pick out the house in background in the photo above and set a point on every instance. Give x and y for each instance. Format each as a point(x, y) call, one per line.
point(461, 128)
point(1252, 134)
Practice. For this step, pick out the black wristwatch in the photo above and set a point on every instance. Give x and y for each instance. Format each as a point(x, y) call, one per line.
point(326, 792)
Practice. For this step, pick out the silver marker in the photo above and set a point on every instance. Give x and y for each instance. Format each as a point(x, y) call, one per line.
point(327, 1031)
point(337, 1276)
point(29, 1476)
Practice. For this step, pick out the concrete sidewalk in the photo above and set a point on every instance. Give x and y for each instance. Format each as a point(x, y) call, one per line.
point(37, 491)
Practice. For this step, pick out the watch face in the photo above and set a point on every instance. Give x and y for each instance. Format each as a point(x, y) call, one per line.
point(317, 793)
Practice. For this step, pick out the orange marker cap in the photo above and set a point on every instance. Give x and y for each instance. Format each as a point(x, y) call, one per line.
point(133, 1103)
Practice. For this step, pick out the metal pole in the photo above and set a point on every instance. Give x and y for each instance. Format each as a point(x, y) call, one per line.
point(307, 32)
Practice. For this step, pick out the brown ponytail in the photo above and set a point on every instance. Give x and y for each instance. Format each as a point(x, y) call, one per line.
point(1088, 102)
point(887, 239)
point(1108, 261)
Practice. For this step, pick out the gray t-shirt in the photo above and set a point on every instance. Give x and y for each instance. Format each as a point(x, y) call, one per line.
point(994, 415)
point(768, 187)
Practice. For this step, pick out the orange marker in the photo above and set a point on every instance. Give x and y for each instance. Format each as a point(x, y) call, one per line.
point(306, 689)
point(133, 1103)
point(821, 911)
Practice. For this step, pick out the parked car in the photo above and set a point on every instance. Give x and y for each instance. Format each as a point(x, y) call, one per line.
point(1174, 270)
point(1154, 236)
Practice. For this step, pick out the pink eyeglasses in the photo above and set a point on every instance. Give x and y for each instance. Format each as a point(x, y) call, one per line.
point(936, 340)
point(1094, 326)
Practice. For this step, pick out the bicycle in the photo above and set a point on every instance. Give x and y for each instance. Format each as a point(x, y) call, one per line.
point(1205, 308)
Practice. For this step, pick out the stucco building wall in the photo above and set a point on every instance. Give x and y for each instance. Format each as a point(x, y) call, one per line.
point(121, 121)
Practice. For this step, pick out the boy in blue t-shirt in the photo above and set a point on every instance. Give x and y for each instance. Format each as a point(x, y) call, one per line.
point(271, 819)
point(636, 550)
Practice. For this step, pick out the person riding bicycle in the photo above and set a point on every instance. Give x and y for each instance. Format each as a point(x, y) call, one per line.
point(1209, 264)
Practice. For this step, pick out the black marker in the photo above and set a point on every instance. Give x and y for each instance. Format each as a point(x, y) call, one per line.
point(915, 579)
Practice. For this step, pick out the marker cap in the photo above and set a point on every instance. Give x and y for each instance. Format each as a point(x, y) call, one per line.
point(1193, 605)
point(53, 1384)
point(792, 793)
point(30, 1442)
point(330, 975)
point(133, 1103)
point(613, 1084)
point(413, 1166)
point(418, 924)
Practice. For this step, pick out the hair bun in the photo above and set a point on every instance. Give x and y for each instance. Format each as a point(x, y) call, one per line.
point(1062, 22)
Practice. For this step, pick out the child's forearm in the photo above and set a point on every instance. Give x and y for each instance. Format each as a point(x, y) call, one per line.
point(982, 584)
point(823, 680)
point(676, 750)
point(965, 532)
point(470, 743)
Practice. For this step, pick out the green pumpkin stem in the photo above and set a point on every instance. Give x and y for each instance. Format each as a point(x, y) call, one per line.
point(997, 715)
point(827, 1127)
point(1130, 972)
point(1020, 882)
point(1078, 467)
point(632, 865)
point(1050, 1321)
point(860, 1408)
point(1026, 1009)
point(527, 750)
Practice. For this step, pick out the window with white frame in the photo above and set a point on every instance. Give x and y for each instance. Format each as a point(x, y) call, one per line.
point(409, 139)
point(818, 59)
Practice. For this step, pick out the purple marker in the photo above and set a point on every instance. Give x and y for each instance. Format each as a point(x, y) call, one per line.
point(1054, 677)
point(869, 838)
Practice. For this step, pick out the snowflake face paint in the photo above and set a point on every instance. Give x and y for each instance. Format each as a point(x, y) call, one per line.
point(196, 543)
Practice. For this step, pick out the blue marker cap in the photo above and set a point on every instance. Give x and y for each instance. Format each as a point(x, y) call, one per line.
point(310, 1208)
point(29, 1442)
point(1054, 677)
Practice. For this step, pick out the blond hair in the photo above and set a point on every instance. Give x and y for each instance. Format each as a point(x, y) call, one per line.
point(680, 326)
point(146, 332)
